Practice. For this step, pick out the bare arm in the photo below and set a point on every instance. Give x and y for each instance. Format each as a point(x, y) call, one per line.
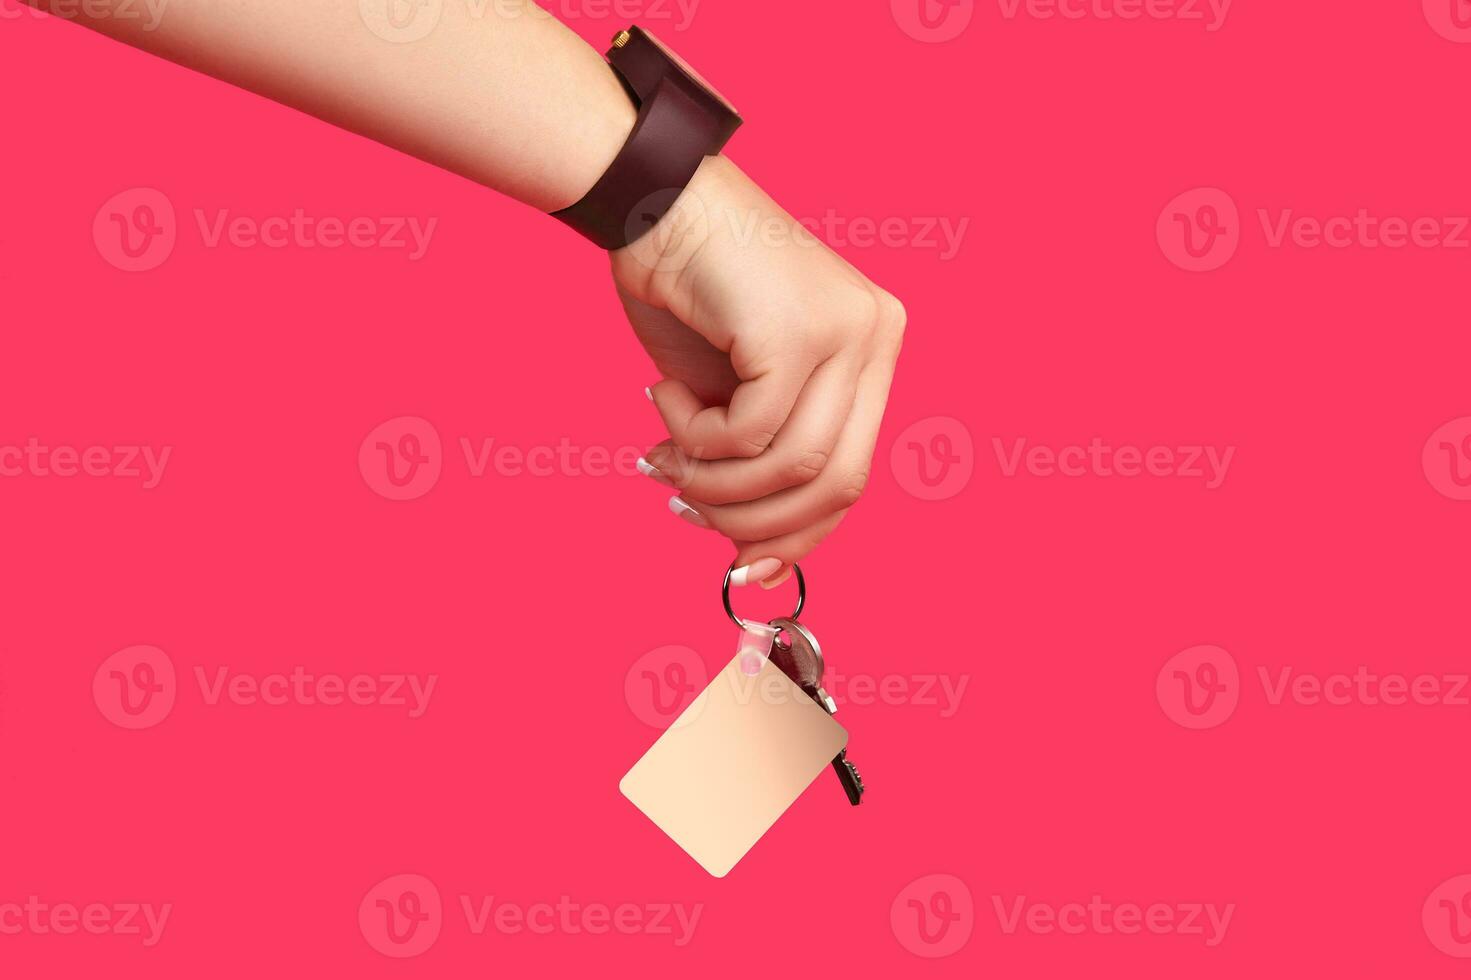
point(776, 354)
point(500, 92)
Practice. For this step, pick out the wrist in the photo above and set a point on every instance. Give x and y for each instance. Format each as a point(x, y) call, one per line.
point(685, 231)
point(681, 122)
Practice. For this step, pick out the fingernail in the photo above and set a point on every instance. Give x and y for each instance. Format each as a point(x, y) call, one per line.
point(687, 512)
point(649, 394)
point(652, 472)
point(775, 580)
point(754, 572)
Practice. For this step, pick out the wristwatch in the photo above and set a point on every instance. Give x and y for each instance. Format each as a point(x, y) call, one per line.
point(681, 120)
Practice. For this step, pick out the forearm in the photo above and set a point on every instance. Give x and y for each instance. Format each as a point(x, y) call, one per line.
point(500, 92)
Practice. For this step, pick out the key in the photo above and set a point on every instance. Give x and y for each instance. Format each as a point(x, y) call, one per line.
point(798, 656)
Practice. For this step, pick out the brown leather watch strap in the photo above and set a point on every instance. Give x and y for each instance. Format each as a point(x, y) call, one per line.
point(679, 124)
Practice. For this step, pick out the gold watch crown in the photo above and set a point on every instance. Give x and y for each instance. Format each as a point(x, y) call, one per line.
point(621, 38)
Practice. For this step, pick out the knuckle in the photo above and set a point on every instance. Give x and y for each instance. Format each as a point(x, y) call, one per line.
point(890, 316)
point(752, 443)
point(807, 466)
point(848, 490)
point(669, 460)
point(674, 462)
point(691, 450)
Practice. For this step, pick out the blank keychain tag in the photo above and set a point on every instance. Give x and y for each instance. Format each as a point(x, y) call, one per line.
point(735, 759)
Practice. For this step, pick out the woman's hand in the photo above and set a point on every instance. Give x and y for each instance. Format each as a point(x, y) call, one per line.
point(776, 356)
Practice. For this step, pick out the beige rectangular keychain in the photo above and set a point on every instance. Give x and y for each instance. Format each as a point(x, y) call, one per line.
point(736, 758)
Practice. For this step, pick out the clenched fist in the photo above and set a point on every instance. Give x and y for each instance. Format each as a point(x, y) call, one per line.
point(776, 356)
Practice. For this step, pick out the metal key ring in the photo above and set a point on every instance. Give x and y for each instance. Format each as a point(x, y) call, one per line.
point(725, 595)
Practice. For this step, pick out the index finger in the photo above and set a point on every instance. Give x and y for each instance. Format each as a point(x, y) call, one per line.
point(758, 409)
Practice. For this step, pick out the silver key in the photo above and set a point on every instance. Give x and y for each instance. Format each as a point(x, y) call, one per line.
point(797, 654)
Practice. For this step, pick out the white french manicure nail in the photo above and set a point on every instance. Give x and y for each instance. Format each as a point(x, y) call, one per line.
point(687, 512)
point(649, 394)
point(652, 472)
point(756, 571)
point(772, 582)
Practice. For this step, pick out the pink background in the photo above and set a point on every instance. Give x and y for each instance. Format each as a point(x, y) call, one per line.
point(1336, 539)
